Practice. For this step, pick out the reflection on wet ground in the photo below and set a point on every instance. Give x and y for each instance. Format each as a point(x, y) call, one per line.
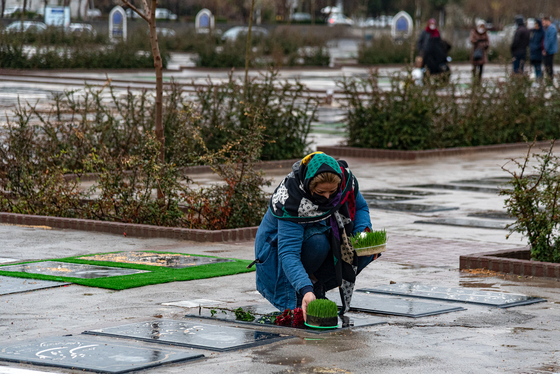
point(9, 285)
point(457, 187)
point(394, 191)
point(405, 207)
point(463, 222)
point(66, 269)
point(170, 260)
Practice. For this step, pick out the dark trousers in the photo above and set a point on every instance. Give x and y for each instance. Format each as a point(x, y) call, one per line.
point(518, 64)
point(477, 70)
point(538, 68)
point(549, 66)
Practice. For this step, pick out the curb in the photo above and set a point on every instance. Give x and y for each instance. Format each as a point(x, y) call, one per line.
point(516, 262)
point(340, 151)
point(132, 229)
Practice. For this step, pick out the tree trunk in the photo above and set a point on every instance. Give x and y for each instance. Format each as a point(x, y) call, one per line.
point(3, 8)
point(248, 51)
point(23, 13)
point(158, 64)
point(80, 10)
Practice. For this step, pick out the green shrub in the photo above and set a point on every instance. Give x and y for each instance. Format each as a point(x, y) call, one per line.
point(385, 51)
point(533, 201)
point(441, 114)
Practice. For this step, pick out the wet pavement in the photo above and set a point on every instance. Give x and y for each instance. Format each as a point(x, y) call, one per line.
point(480, 339)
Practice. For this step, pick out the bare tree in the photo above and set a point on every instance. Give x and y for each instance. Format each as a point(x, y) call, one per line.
point(149, 15)
point(248, 51)
point(3, 8)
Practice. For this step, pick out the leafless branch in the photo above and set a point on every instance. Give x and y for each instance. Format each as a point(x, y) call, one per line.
point(136, 10)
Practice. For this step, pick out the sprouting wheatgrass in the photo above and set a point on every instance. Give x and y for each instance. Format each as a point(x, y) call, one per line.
point(369, 239)
point(322, 308)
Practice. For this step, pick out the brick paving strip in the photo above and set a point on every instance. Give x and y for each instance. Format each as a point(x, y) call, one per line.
point(340, 151)
point(516, 262)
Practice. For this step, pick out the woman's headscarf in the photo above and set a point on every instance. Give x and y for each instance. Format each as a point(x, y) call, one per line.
point(434, 33)
point(293, 201)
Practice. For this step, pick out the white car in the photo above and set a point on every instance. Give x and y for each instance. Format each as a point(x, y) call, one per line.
point(237, 31)
point(339, 19)
point(163, 31)
point(93, 13)
point(10, 11)
point(162, 13)
point(28, 26)
point(81, 28)
point(301, 17)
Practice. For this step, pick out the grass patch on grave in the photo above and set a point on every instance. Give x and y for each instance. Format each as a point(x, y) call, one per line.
point(156, 275)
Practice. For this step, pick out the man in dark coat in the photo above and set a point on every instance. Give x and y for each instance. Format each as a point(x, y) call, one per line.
point(519, 46)
point(536, 48)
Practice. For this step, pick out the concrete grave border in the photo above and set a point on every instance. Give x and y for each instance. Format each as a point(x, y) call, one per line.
point(389, 154)
point(516, 262)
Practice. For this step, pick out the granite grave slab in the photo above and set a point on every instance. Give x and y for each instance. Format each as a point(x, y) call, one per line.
point(457, 187)
point(66, 269)
point(191, 334)
point(169, 260)
point(351, 320)
point(464, 222)
point(393, 306)
point(406, 207)
point(10, 285)
point(4, 260)
point(401, 192)
point(92, 354)
point(463, 295)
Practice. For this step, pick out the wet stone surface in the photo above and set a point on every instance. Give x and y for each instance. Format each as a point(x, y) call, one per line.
point(470, 296)
point(4, 260)
point(492, 214)
point(9, 285)
point(405, 207)
point(92, 354)
point(65, 269)
point(386, 198)
point(350, 319)
point(191, 334)
point(458, 187)
point(402, 192)
point(170, 260)
point(463, 222)
point(405, 307)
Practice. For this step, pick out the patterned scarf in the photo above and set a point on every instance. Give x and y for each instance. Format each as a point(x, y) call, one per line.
point(292, 201)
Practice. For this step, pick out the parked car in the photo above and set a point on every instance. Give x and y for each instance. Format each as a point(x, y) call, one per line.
point(162, 13)
point(130, 13)
point(10, 11)
point(93, 13)
point(339, 19)
point(163, 31)
point(28, 26)
point(82, 28)
point(301, 17)
point(237, 31)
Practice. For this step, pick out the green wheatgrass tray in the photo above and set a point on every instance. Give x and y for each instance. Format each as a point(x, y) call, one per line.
point(157, 275)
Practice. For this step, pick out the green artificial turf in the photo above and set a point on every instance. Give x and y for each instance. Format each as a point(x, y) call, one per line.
point(157, 275)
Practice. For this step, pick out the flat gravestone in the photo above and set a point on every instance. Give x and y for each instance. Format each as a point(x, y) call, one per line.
point(402, 192)
point(350, 320)
point(3, 260)
point(169, 260)
point(190, 334)
point(9, 285)
point(463, 222)
point(91, 354)
point(458, 187)
point(393, 306)
point(66, 269)
point(406, 207)
point(464, 295)
point(492, 214)
point(372, 196)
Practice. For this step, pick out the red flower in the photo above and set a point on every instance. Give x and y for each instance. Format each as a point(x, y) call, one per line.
point(285, 319)
point(298, 318)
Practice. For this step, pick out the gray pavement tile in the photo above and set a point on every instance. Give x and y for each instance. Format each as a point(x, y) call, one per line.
point(10, 285)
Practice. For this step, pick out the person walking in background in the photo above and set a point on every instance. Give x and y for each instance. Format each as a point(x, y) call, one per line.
point(536, 48)
point(431, 31)
point(550, 46)
point(480, 44)
point(519, 46)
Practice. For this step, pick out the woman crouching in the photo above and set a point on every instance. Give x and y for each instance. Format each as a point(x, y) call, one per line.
point(303, 248)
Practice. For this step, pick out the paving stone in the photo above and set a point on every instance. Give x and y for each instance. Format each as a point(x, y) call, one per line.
point(92, 354)
point(190, 334)
point(10, 285)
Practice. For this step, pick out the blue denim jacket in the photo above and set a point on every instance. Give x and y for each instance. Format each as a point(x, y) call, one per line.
point(280, 272)
point(551, 40)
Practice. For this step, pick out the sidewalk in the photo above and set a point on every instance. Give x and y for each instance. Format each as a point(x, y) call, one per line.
point(478, 340)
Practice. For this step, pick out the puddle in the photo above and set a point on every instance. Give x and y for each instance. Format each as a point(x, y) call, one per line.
point(457, 187)
point(403, 192)
point(461, 222)
point(404, 207)
point(174, 261)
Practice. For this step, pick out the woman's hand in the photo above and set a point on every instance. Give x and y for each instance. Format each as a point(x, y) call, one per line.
point(307, 298)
